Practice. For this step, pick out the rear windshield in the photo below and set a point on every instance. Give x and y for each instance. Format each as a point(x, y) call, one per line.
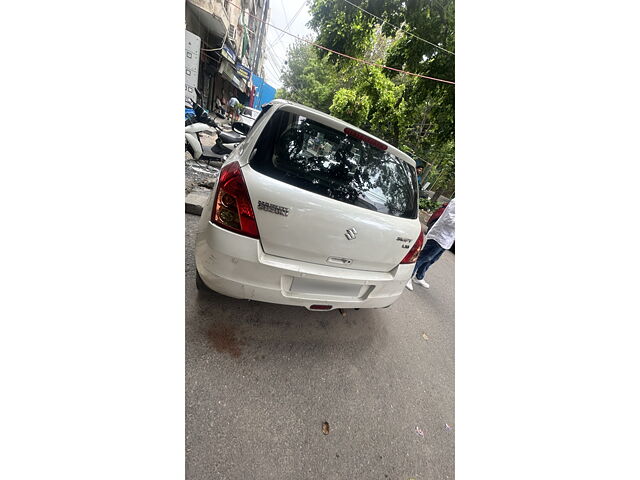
point(309, 155)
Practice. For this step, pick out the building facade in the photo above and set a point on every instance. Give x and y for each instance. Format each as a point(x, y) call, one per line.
point(232, 46)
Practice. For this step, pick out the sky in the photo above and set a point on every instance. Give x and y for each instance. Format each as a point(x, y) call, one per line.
point(283, 12)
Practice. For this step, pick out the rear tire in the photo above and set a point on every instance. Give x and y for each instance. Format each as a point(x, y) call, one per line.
point(200, 283)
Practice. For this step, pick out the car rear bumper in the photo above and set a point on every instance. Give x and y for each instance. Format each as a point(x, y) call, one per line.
point(236, 266)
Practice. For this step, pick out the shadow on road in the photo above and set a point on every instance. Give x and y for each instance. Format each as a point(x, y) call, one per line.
point(234, 326)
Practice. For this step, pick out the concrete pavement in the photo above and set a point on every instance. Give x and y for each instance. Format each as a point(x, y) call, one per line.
point(261, 379)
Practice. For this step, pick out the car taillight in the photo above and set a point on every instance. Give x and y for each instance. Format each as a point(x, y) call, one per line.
point(232, 206)
point(412, 255)
point(365, 138)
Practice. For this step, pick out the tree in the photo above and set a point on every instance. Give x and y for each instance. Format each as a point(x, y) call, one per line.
point(308, 78)
point(345, 28)
point(350, 107)
point(374, 103)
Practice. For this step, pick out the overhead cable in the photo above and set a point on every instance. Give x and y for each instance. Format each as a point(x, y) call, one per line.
point(290, 23)
point(398, 28)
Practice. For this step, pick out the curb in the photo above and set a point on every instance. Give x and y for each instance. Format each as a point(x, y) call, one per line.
point(196, 200)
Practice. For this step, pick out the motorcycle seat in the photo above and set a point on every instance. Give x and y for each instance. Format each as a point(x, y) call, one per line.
point(230, 137)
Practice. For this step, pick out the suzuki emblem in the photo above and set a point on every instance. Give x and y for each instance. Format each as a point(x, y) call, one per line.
point(351, 233)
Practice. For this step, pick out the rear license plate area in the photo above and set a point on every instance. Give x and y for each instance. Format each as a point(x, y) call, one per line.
point(323, 288)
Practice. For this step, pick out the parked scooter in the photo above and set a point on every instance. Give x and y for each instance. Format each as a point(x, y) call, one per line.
point(200, 122)
point(194, 146)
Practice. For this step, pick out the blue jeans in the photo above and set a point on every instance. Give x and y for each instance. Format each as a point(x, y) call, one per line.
point(428, 256)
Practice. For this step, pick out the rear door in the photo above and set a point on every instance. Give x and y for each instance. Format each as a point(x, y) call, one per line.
point(325, 197)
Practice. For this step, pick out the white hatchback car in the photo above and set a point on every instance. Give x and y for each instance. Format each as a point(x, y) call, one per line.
point(310, 211)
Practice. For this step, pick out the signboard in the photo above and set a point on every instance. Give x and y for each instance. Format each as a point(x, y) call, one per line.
point(191, 64)
point(243, 71)
point(264, 92)
point(226, 70)
point(228, 53)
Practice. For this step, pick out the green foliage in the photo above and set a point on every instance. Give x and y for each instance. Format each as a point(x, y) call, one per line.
point(350, 107)
point(341, 27)
point(442, 170)
point(309, 79)
point(344, 28)
point(429, 205)
point(389, 115)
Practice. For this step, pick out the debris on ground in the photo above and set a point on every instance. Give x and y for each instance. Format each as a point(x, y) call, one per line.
point(342, 312)
point(419, 431)
point(447, 426)
point(201, 170)
point(325, 428)
point(209, 183)
point(197, 173)
point(424, 336)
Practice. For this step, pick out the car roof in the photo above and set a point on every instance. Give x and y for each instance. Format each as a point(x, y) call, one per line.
point(341, 125)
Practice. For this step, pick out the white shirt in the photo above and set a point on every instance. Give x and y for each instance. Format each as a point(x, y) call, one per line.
point(444, 230)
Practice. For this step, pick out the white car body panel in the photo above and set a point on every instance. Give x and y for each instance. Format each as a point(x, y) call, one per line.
point(315, 229)
point(298, 259)
point(236, 266)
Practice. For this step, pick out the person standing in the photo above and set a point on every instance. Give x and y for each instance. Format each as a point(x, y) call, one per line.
point(422, 181)
point(419, 171)
point(233, 105)
point(439, 238)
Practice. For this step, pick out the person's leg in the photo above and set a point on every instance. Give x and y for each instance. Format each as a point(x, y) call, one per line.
point(425, 255)
point(430, 253)
point(434, 259)
point(428, 264)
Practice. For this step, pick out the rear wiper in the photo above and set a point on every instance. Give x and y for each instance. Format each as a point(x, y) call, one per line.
point(367, 205)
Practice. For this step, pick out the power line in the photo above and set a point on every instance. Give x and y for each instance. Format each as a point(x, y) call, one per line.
point(271, 67)
point(361, 60)
point(398, 28)
point(274, 59)
point(275, 56)
point(290, 22)
point(284, 12)
point(274, 68)
point(269, 62)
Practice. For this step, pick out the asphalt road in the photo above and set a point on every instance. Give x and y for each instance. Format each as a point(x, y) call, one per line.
point(261, 379)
